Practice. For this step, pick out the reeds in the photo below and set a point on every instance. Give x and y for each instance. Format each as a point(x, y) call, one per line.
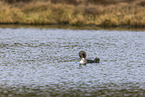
point(76, 13)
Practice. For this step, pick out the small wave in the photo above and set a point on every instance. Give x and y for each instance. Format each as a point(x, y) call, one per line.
point(6, 45)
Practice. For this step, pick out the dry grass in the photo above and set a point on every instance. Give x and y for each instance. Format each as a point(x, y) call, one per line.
point(9, 14)
point(46, 12)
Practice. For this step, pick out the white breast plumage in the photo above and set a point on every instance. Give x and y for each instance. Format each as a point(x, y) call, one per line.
point(83, 61)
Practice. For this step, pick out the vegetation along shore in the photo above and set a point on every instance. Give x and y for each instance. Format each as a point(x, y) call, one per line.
point(73, 12)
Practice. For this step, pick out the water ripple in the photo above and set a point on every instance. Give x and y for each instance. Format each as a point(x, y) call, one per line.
point(41, 62)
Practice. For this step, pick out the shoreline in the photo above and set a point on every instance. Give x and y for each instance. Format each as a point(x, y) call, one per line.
point(75, 27)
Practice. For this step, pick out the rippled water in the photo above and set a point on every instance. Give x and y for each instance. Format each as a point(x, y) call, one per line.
point(44, 62)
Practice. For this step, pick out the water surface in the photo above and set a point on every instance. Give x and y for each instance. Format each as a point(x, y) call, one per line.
point(44, 62)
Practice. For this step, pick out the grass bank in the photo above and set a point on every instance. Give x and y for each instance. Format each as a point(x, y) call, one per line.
point(47, 12)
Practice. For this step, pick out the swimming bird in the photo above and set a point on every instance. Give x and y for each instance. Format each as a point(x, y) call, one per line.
point(82, 55)
point(83, 60)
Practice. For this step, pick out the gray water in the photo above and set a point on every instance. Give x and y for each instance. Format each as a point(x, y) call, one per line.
point(44, 62)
